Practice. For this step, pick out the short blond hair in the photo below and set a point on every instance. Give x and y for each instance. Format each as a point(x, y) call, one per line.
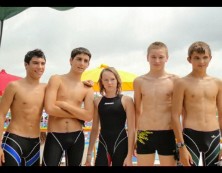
point(157, 45)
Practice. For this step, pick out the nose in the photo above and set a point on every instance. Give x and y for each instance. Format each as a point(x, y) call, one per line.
point(202, 60)
point(41, 65)
point(157, 60)
point(82, 62)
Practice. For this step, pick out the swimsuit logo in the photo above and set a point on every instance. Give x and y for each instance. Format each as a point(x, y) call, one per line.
point(143, 135)
point(111, 103)
point(213, 136)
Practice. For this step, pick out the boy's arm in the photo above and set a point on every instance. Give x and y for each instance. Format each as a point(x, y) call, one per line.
point(219, 111)
point(85, 113)
point(130, 113)
point(94, 133)
point(137, 103)
point(177, 109)
point(137, 100)
point(5, 104)
point(219, 105)
point(50, 99)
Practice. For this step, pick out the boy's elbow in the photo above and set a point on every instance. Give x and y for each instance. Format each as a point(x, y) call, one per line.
point(89, 117)
point(49, 110)
point(138, 113)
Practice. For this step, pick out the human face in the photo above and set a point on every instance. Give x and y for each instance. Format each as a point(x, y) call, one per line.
point(199, 61)
point(157, 58)
point(109, 81)
point(80, 62)
point(36, 67)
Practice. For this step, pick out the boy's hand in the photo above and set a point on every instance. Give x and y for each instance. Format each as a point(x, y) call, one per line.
point(88, 83)
point(2, 157)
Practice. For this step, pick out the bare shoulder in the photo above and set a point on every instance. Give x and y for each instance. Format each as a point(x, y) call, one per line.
point(13, 86)
point(173, 76)
point(85, 88)
point(139, 79)
point(18, 84)
point(181, 81)
point(127, 98)
point(97, 100)
point(43, 85)
point(127, 102)
point(217, 80)
point(88, 89)
point(55, 77)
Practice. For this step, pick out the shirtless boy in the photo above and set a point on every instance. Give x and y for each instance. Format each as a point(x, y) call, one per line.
point(152, 97)
point(200, 95)
point(24, 98)
point(64, 97)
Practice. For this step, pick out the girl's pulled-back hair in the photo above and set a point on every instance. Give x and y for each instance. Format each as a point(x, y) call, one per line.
point(117, 76)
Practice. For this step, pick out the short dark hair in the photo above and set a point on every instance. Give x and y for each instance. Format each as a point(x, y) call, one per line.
point(80, 50)
point(34, 53)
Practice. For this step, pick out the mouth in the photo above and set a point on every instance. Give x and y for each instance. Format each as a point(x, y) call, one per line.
point(80, 68)
point(39, 72)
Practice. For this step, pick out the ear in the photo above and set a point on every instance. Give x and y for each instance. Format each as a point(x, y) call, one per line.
point(147, 58)
point(25, 64)
point(188, 59)
point(70, 61)
point(87, 65)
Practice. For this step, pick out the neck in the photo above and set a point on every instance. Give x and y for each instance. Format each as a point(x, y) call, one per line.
point(198, 74)
point(110, 94)
point(157, 74)
point(75, 76)
point(31, 80)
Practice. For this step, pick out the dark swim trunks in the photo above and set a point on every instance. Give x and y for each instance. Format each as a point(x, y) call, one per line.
point(71, 143)
point(150, 141)
point(206, 142)
point(20, 151)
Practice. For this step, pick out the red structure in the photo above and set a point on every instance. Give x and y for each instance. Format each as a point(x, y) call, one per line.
point(5, 78)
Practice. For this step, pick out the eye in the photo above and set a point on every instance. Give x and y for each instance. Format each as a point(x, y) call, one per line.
point(105, 80)
point(86, 61)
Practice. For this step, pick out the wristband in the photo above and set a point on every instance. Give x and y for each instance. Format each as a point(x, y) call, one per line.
point(180, 144)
